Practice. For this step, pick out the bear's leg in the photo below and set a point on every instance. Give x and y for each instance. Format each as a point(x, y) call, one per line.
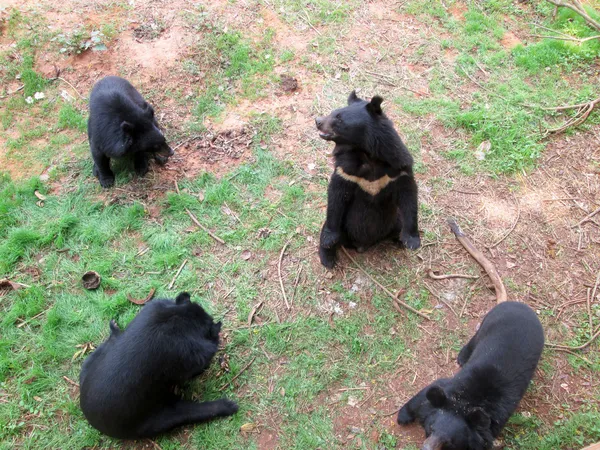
point(408, 413)
point(465, 352)
point(409, 210)
point(185, 412)
point(328, 248)
point(140, 163)
point(102, 170)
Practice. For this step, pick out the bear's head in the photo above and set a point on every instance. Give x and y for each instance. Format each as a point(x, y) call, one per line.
point(142, 134)
point(353, 123)
point(195, 314)
point(451, 425)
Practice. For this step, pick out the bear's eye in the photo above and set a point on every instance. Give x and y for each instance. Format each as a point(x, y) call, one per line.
point(338, 116)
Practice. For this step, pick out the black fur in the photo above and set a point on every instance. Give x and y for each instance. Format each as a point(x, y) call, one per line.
point(468, 411)
point(122, 123)
point(127, 383)
point(367, 147)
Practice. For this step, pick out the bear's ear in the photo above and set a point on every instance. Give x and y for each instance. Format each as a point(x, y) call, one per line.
point(182, 298)
point(374, 106)
point(478, 418)
point(353, 98)
point(215, 329)
point(127, 127)
point(148, 109)
point(436, 396)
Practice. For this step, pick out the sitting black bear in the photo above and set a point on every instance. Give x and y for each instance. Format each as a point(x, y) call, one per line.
point(122, 123)
point(469, 410)
point(372, 193)
point(127, 384)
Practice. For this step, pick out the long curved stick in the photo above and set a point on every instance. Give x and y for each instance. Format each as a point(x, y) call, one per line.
point(487, 265)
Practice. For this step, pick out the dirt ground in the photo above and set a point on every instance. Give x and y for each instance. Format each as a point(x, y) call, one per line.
point(528, 225)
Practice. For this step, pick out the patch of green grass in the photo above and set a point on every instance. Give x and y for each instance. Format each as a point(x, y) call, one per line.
point(239, 67)
point(70, 117)
point(319, 12)
point(575, 431)
point(502, 110)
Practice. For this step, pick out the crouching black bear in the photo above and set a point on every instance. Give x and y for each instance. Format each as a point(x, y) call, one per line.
point(127, 384)
point(468, 411)
point(372, 193)
point(122, 123)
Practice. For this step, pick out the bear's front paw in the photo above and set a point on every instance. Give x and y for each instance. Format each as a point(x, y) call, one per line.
point(411, 242)
point(329, 238)
point(228, 407)
point(404, 416)
point(328, 257)
point(106, 182)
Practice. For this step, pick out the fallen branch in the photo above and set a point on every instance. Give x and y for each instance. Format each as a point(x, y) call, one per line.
point(238, 374)
point(384, 289)
point(177, 274)
point(434, 276)
point(210, 233)
point(287, 305)
point(487, 265)
point(583, 112)
point(576, 6)
point(581, 347)
point(567, 38)
point(595, 446)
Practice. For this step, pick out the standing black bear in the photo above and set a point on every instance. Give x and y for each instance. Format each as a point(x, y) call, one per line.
point(372, 193)
point(468, 411)
point(127, 384)
point(122, 123)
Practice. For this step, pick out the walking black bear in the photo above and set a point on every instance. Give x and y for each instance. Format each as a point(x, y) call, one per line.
point(122, 123)
point(468, 411)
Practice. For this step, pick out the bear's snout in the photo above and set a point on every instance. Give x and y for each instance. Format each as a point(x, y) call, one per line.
point(319, 121)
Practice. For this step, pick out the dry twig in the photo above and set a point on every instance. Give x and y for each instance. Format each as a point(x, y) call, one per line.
point(210, 233)
point(581, 347)
point(434, 276)
point(177, 274)
point(255, 310)
point(487, 265)
point(287, 305)
point(586, 218)
point(567, 38)
point(238, 374)
point(576, 6)
point(386, 290)
point(71, 382)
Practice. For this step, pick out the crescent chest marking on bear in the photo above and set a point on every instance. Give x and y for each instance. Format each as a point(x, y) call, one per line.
point(370, 187)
